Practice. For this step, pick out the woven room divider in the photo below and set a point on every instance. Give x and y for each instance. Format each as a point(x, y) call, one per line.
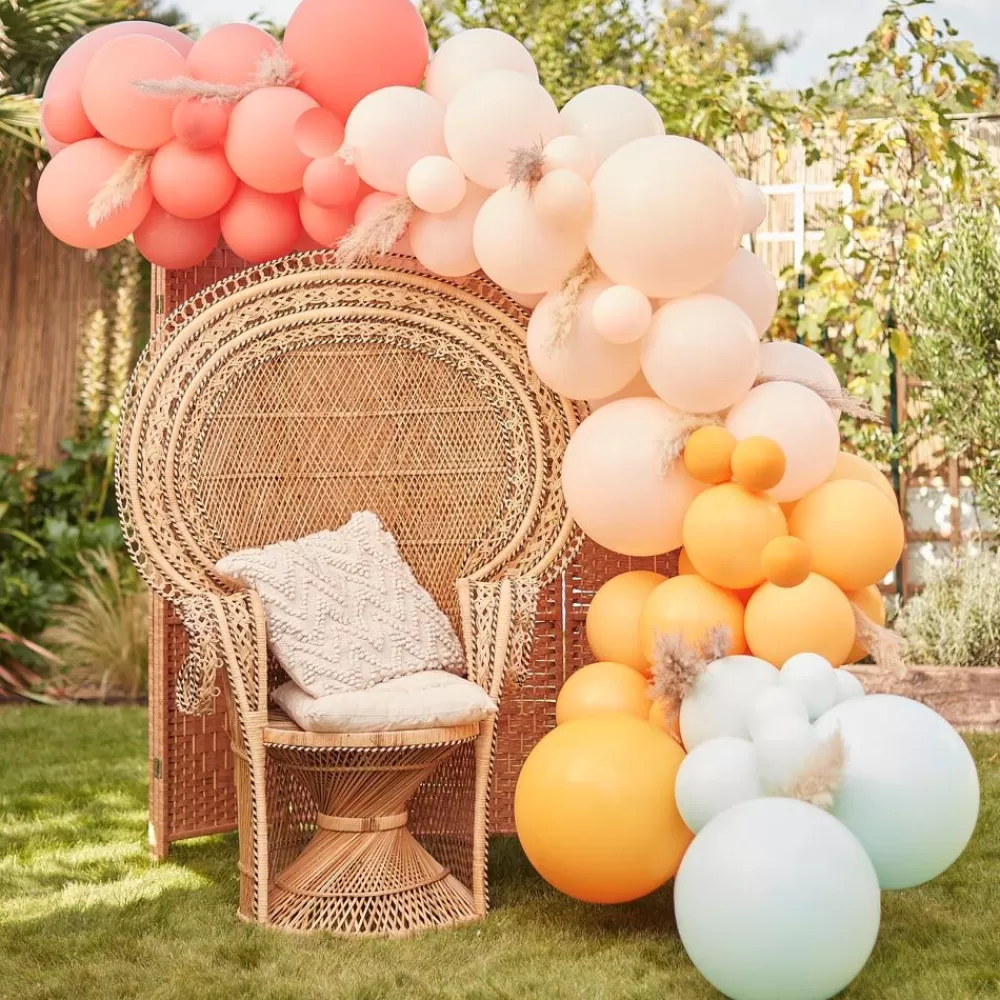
point(191, 787)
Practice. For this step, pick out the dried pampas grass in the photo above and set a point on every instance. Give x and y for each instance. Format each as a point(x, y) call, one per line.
point(882, 644)
point(273, 70)
point(822, 776)
point(376, 236)
point(677, 665)
point(119, 189)
point(569, 301)
point(847, 404)
point(527, 166)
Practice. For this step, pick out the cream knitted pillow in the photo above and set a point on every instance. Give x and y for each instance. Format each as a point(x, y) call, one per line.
point(344, 612)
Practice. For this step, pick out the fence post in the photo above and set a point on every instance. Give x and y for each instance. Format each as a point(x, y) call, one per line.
point(897, 477)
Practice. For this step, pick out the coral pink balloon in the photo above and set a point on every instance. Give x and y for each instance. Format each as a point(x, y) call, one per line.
point(622, 314)
point(174, 243)
point(562, 197)
point(389, 131)
point(330, 182)
point(609, 117)
point(260, 226)
point(702, 354)
point(616, 486)
point(584, 365)
point(65, 120)
point(374, 203)
point(318, 133)
point(444, 243)
point(754, 205)
point(471, 53)
point(637, 387)
point(119, 111)
point(346, 50)
point(802, 425)
point(230, 53)
point(68, 185)
point(518, 249)
point(667, 218)
point(570, 152)
point(326, 226)
point(260, 144)
point(436, 184)
point(191, 183)
point(201, 124)
point(783, 359)
point(490, 117)
point(747, 282)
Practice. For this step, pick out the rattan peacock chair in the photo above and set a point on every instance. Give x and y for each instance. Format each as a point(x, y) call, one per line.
point(276, 404)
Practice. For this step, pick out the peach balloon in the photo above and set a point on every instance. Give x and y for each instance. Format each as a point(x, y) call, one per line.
point(603, 689)
point(613, 618)
point(814, 617)
point(562, 197)
point(616, 486)
point(758, 464)
point(69, 184)
point(803, 427)
point(636, 388)
point(754, 205)
point(786, 561)
point(260, 226)
point(65, 119)
point(870, 603)
point(436, 184)
point(747, 282)
point(854, 467)
point(261, 145)
point(345, 50)
point(491, 116)
point(230, 53)
point(622, 314)
point(666, 715)
point(684, 565)
point(471, 53)
point(191, 183)
point(701, 354)
point(326, 226)
point(318, 133)
point(609, 117)
point(784, 359)
point(708, 455)
point(667, 216)
point(569, 152)
point(585, 365)
point(201, 124)
point(443, 243)
point(520, 250)
point(331, 182)
point(121, 112)
point(175, 243)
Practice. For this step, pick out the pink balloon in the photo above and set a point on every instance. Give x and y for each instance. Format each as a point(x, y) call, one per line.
point(69, 184)
point(609, 117)
point(436, 184)
point(327, 226)
point(622, 314)
point(471, 53)
point(191, 183)
point(701, 354)
point(65, 119)
point(261, 145)
point(346, 50)
point(119, 111)
point(637, 387)
point(616, 486)
point(318, 133)
point(443, 242)
point(784, 359)
point(747, 282)
point(260, 226)
point(330, 182)
point(230, 53)
point(201, 124)
point(174, 243)
point(562, 197)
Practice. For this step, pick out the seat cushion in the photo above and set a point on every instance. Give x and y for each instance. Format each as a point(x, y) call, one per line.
point(344, 612)
point(427, 700)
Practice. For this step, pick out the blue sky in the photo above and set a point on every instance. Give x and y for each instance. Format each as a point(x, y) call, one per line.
point(824, 25)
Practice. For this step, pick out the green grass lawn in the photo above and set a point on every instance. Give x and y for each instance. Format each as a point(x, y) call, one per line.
point(85, 914)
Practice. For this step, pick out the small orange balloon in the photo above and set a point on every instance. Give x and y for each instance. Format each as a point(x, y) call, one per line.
point(758, 464)
point(603, 689)
point(854, 467)
point(854, 533)
point(869, 602)
point(708, 455)
point(613, 618)
point(665, 714)
point(814, 617)
point(690, 606)
point(786, 561)
point(726, 530)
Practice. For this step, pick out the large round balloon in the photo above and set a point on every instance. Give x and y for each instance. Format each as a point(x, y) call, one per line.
point(258, 226)
point(637, 387)
point(715, 776)
point(176, 243)
point(617, 488)
point(776, 899)
point(230, 53)
point(345, 50)
point(65, 119)
point(667, 216)
point(443, 243)
point(613, 617)
point(327, 226)
point(595, 809)
point(754, 205)
point(854, 467)
point(471, 53)
point(910, 792)
point(191, 183)
point(748, 283)
point(785, 359)
point(603, 689)
point(609, 117)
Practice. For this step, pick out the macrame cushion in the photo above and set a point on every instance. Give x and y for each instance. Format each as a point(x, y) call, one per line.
point(344, 612)
point(427, 700)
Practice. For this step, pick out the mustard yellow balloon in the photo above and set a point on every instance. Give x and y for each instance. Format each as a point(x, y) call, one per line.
point(708, 455)
point(814, 617)
point(595, 809)
point(603, 689)
point(786, 561)
point(613, 618)
point(854, 467)
point(854, 533)
point(726, 530)
point(869, 601)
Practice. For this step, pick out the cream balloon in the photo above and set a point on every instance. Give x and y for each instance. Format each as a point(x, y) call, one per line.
point(615, 484)
point(609, 117)
point(802, 425)
point(471, 53)
point(637, 387)
point(443, 242)
point(436, 184)
point(747, 282)
point(754, 205)
point(622, 314)
point(667, 216)
point(519, 249)
point(569, 152)
point(490, 117)
point(783, 359)
point(701, 354)
point(586, 364)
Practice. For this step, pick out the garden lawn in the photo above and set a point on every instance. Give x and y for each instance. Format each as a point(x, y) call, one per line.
point(85, 914)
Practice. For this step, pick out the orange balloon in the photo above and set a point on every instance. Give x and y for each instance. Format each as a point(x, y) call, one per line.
point(665, 715)
point(260, 227)
point(603, 689)
point(175, 243)
point(855, 534)
point(725, 532)
point(327, 226)
point(758, 464)
point(613, 618)
point(690, 606)
point(230, 53)
point(201, 124)
point(870, 602)
point(788, 509)
point(684, 565)
point(191, 183)
point(814, 617)
point(854, 467)
point(595, 809)
point(708, 455)
point(786, 561)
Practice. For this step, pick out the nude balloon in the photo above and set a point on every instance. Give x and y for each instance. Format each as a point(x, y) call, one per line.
point(570, 152)
point(436, 184)
point(174, 243)
point(443, 243)
point(230, 53)
point(609, 117)
point(471, 53)
point(785, 359)
point(260, 226)
point(754, 205)
point(191, 183)
point(637, 387)
point(747, 282)
point(622, 314)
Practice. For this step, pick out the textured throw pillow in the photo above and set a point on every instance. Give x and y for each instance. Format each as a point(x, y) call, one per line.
point(420, 701)
point(344, 612)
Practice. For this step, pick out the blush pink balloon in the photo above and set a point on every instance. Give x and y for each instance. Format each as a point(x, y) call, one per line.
point(326, 226)
point(782, 359)
point(318, 133)
point(436, 184)
point(370, 206)
point(191, 183)
point(443, 243)
point(330, 182)
point(230, 53)
point(201, 124)
point(637, 387)
point(530, 302)
point(174, 243)
point(562, 197)
point(471, 53)
point(119, 111)
point(609, 117)
point(622, 314)
point(701, 354)
point(259, 226)
point(346, 50)
point(747, 282)
point(65, 119)
point(570, 152)
point(69, 184)
point(616, 486)
point(754, 205)
point(260, 144)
